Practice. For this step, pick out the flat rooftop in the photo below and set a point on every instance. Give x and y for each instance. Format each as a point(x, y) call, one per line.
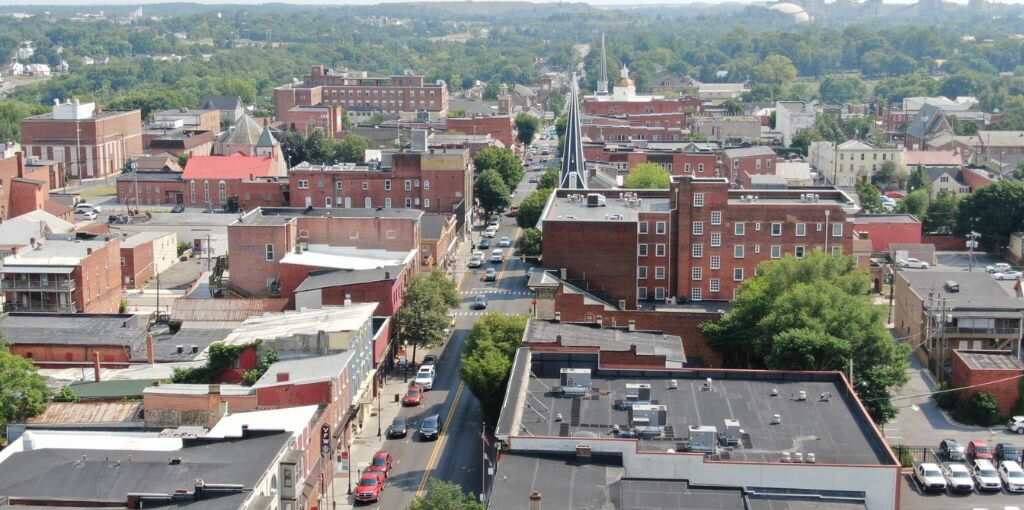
point(990, 360)
point(75, 329)
point(269, 216)
point(795, 196)
point(885, 219)
point(977, 289)
point(607, 339)
point(142, 238)
point(55, 252)
point(572, 208)
point(835, 430)
point(348, 258)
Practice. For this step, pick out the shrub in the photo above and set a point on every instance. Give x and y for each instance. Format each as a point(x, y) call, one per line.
point(982, 408)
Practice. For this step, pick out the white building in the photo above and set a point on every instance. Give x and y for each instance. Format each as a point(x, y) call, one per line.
point(792, 116)
point(852, 161)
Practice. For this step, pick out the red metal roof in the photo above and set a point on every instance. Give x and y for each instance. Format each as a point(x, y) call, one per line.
point(235, 166)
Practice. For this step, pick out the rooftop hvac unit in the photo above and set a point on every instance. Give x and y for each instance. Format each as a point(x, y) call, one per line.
point(798, 457)
point(801, 395)
point(574, 381)
point(596, 200)
point(733, 432)
point(811, 458)
point(648, 419)
point(702, 438)
point(638, 392)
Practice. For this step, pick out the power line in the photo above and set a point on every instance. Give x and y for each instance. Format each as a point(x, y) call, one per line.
point(948, 390)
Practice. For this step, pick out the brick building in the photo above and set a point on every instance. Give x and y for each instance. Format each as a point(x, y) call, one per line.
point(404, 95)
point(328, 119)
point(697, 159)
point(60, 340)
point(698, 241)
point(434, 180)
point(179, 141)
point(612, 130)
point(886, 229)
point(25, 185)
point(184, 118)
point(146, 255)
point(260, 241)
point(55, 275)
point(500, 127)
point(741, 163)
point(104, 141)
point(994, 372)
point(619, 347)
point(624, 101)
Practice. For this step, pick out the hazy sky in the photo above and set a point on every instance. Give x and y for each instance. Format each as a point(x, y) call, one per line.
point(371, 2)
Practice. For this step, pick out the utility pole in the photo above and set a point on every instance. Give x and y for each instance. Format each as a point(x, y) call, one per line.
point(483, 466)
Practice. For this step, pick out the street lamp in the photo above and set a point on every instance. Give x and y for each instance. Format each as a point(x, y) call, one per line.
point(379, 408)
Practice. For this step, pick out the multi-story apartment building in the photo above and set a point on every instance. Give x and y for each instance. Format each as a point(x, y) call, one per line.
point(66, 276)
point(698, 241)
point(624, 101)
point(852, 161)
point(500, 127)
point(792, 116)
point(405, 94)
point(89, 142)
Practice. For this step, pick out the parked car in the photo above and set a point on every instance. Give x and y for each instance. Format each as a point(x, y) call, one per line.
point(484, 244)
point(476, 261)
point(491, 275)
point(425, 377)
point(912, 263)
point(985, 476)
point(381, 463)
point(398, 428)
point(429, 360)
point(959, 477)
point(1012, 475)
point(998, 267)
point(1016, 424)
point(512, 211)
point(178, 208)
point(497, 255)
point(413, 396)
point(430, 427)
point(929, 477)
point(979, 449)
point(1007, 451)
point(1008, 275)
point(371, 484)
point(951, 449)
point(491, 231)
point(505, 242)
point(533, 179)
point(494, 223)
point(86, 206)
point(86, 213)
point(480, 302)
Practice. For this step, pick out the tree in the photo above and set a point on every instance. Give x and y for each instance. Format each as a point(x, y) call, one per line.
point(648, 176)
point(423, 317)
point(183, 159)
point(916, 203)
point(941, 213)
point(803, 138)
point(531, 207)
point(733, 107)
point(490, 190)
point(351, 149)
point(11, 114)
point(504, 161)
point(842, 89)
point(490, 348)
point(995, 212)
point(870, 197)
point(526, 127)
point(1018, 173)
point(917, 179)
point(443, 495)
point(776, 70)
point(23, 392)
point(530, 243)
point(888, 176)
point(549, 179)
point(813, 313)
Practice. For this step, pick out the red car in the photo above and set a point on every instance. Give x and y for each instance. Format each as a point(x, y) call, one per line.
point(978, 449)
point(413, 397)
point(381, 463)
point(371, 484)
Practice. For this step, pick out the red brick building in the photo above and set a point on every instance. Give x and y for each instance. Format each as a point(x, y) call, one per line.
point(994, 372)
point(391, 94)
point(698, 241)
point(744, 162)
point(886, 229)
point(436, 180)
point(500, 127)
point(699, 160)
point(260, 241)
point(613, 107)
point(80, 276)
point(62, 340)
point(104, 141)
point(306, 119)
point(25, 185)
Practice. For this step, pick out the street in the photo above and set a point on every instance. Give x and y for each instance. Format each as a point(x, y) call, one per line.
point(456, 456)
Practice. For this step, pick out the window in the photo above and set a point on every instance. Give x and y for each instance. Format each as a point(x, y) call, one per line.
point(837, 251)
point(698, 228)
point(697, 250)
point(643, 227)
point(408, 185)
point(641, 273)
point(659, 228)
point(642, 249)
point(659, 250)
point(641, 293)
point(757, 226)
point(716, 262)
point(801, 229)
point(757, 164)
point(817, 226)
point(737, 274)
point(328, 202)
point(303, 184)
point(698, 200)
point(837, 230)
point(716, 217)
point(714, 285)
point(222, 191)
point(776, 251)
point(757, 249)
point(387, 184)
point(659, 273)
point(798, 251)
point(387, 202)
point(268, 252)
point(338, 186)
point(206, 191)
point(659, 293)
point(716, 239)
point(696, 294)
point(408, 202)
point(192, 190)
point(776, 229)
point(700, 168)
point(686, 168)
point(738, 251)
point(426, 203)
point(741, 228)
point(696, 274)
point(416, 183)
point(366, 185)
point(320, 183)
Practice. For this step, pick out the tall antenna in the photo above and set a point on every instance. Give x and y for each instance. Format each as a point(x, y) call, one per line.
point(602, 84)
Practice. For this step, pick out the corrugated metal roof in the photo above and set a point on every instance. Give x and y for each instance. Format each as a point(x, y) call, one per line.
point(89, 412)
point(224, 310)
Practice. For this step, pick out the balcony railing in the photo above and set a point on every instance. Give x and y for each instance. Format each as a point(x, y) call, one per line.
point(40, 307)
point(49, 285)
point(983, 331)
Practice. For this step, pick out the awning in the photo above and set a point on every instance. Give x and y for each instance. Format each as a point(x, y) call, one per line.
point(37, 269)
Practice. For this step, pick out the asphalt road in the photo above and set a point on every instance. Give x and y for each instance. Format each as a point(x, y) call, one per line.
point(457, 456)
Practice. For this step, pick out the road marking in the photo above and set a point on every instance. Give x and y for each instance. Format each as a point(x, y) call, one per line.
point(435, 455)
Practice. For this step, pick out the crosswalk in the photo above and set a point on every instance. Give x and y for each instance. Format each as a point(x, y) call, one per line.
point(491, 290)
point(466, 313)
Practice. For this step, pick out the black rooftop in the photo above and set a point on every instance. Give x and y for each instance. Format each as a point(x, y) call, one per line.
point(75, 329)
point(340, 277)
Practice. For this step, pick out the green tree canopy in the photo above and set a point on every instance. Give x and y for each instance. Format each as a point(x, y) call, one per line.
point(836, 89)
point(648, 176)
point(870, 197)
point(941, 213)
point(526, 127)
point(531, 207)
point(443, 495)
point(776, 70)
point(916, 203)
point(813, 313)
point(23, 392)
point(423, 317)
point(995, 211)
point(889, 176)
point(11, 113)
point(351, 149)
point(549, 179)
point(487, 359)
point(504, 161)
point(530, 243)
point(491, 191)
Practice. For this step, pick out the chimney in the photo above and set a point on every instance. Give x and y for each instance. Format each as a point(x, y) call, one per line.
point(150, 350)
point(348, 299)
point(21, 163)
point(96, 366)
point(558, 339)
point(213, 389)
point(563, 273)
point(88, 251)
point(535, 498)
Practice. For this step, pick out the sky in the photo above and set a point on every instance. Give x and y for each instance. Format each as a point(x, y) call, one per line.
point(95, 3)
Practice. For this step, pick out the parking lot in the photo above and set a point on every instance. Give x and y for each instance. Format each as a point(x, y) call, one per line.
point(911, 498)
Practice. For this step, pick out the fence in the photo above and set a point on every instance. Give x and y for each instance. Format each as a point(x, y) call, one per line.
point(910, 455)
